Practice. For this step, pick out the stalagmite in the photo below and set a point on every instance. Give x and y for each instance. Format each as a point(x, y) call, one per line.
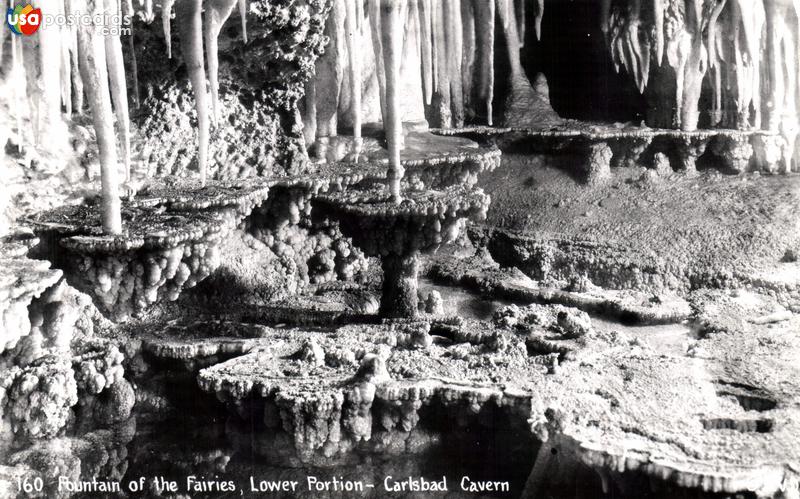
point(424, 10)
point(354, 60)
point(119, 89)
point(243, 17)
point(392, 13)
point(95, 75)
point(190, 30)
point(538, 475)
point(166, 20)
point(217, 12)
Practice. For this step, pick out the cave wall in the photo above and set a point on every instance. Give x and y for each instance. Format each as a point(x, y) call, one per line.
point(261, 82)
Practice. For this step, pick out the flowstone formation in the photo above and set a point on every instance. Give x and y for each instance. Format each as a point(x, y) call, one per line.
point(715, 63)
point(398, 233)
point(623, 314)
point(332, 391)
point(161, 253)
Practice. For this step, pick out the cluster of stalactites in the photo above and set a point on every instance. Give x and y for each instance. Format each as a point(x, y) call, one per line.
point(745, 51)
point(453, 41)
point(53, 70)
point(196, 29)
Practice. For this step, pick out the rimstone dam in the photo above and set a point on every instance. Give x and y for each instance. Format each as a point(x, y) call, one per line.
point(400, 248)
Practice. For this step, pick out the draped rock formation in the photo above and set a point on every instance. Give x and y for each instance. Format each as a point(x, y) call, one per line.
point(711, 63)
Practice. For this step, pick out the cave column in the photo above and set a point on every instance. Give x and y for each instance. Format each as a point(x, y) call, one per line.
point(392, 13)
point(399, 298)
point(91, 48)
point(328, 79)
point(689, 148)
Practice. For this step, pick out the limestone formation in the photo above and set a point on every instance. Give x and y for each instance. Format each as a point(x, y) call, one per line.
point(621, 317)
point(398, 233)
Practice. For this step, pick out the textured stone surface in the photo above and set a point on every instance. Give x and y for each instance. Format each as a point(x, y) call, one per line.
point(718, 416)
point(681, 233)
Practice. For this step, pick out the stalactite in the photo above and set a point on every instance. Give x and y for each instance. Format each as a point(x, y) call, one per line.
point(354, 60)
point(485, 34)
point(454, 54)
point(440, 36)
point(775, 64)
point(374, 7)
point(310, 112)
point(2, 43)
point(658, 21)
point(468, 51)
point(716, 111)
point(512, 39)
point(190, 30)
point(32, 64)
point(128, 9)
point(91, 48)
point(789, 120)
point(633, 55)
point(424, 10)
point(166, 20)
point(434, 43)
point(50, 40)
point(693, 68)
point(77, 80)
point(243, 17)
point(537, 20)
point(605, 17)
point(217, 12)
point(119, 89)
point(330, 72)
point(64, 66)
point(742, 69)
point(520, 11)
point(712, 30)
point(19, 74)
point(392, 13)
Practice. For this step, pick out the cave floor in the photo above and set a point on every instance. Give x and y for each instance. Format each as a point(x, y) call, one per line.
point(672, 231)
point(710, 405)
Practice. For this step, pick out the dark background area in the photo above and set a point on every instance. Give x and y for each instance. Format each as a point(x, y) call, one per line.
point(573, 56)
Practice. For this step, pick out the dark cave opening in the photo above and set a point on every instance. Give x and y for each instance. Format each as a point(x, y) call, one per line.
point(572, 54)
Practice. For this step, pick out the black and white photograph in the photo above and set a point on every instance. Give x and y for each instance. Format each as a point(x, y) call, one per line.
point(456, 249)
